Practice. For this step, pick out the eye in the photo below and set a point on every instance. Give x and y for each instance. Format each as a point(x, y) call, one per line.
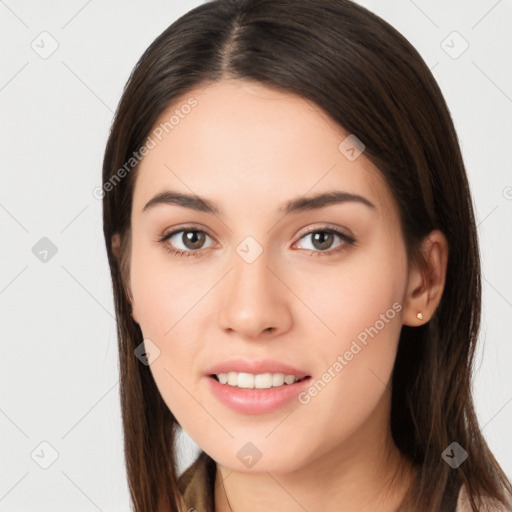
point(192, 239)
point(322, 239)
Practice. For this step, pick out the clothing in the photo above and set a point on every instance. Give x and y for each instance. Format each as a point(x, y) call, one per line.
point(197, 486)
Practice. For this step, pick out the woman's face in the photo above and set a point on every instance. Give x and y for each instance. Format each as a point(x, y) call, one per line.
point(265, 288)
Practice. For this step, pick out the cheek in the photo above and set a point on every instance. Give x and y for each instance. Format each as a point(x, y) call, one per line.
point(361, 304)
point(168, 312)
point(364, 291)
point(352, 386)
point(162, 292)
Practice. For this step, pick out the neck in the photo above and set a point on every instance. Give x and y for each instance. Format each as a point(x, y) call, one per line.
point(370, 475)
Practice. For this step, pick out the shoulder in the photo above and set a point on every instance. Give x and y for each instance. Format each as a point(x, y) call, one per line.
point(463, 504)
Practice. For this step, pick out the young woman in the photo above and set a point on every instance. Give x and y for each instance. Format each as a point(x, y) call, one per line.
point(296, 270)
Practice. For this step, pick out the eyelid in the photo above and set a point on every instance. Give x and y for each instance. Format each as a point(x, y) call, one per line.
point(186, 227)
point(324, 226)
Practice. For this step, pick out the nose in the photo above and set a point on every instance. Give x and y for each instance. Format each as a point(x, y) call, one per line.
point(254, 302)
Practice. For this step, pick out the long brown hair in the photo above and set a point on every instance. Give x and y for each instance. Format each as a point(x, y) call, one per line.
point(368, 78)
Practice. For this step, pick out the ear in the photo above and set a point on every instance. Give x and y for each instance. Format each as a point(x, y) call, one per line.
point(116, 250)
point(424, 292)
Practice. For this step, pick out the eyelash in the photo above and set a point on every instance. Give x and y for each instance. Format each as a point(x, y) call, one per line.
point(348, 242)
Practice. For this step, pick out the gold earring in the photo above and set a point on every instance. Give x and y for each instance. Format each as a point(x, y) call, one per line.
point(419, 316)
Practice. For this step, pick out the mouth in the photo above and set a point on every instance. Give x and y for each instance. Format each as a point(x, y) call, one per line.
point(246, 380)
point(256, 394)
point(256, 386)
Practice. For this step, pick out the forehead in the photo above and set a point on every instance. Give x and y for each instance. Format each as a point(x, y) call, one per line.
point(237, 139)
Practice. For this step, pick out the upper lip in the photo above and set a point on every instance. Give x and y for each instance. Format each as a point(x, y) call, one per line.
point(255, 366)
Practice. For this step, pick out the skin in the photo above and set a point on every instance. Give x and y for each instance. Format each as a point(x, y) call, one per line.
point(249, 149)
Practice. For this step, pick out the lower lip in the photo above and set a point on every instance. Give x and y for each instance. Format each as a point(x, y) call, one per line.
point(256, 401)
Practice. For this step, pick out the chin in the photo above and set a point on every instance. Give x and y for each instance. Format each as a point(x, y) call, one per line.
point(247, 458)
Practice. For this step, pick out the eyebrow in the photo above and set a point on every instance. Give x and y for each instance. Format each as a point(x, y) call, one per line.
point(195, 202)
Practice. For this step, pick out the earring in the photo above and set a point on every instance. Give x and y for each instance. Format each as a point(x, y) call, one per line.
point(419, 316)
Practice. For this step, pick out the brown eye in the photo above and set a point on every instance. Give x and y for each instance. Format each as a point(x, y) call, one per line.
point(185, 242)
point(193, 239)
point(322, 240)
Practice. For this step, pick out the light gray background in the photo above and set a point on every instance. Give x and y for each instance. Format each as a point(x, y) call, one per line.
point(58, 364)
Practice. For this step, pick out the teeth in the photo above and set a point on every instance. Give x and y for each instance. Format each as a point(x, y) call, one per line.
point(289, 379)
point(246, 380)
point(259, 381)
point(263, 381)
point(277, 379)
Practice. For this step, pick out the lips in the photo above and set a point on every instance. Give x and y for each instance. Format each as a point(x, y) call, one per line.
point(255, 401)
